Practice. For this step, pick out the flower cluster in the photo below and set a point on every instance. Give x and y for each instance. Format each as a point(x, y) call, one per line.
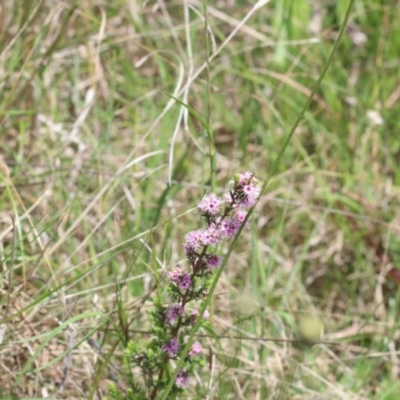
point(224, 216)
point(172, 323)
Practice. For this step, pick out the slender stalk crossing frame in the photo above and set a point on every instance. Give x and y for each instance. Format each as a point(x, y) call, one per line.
point(264, 185)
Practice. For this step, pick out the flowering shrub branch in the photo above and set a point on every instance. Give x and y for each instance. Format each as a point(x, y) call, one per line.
point(172, 323)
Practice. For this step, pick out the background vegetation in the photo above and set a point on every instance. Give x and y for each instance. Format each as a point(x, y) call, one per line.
point(100, 171)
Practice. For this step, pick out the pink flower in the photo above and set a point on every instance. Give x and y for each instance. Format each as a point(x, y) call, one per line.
point(230, 227)
point(250, 195)
point(182, 379)
point(183, 281)
point(213, 261)
point(195, 312)
point(210, 205)
point(175, 274)
point(194, 240)
point(196, 349)
point(212, 235)
point(245, 178)
point(173, 313)
point(240, 215)
point(171, 348)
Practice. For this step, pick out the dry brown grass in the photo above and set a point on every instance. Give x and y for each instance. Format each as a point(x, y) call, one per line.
point(89, 142)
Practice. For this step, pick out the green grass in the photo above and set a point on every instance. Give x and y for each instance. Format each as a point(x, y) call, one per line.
point(88, 222)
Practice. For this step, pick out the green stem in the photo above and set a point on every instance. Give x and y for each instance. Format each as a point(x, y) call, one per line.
point(264, 185)
point(213, 163)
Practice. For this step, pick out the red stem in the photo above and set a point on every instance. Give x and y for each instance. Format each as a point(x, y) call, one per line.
point(198, 263)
